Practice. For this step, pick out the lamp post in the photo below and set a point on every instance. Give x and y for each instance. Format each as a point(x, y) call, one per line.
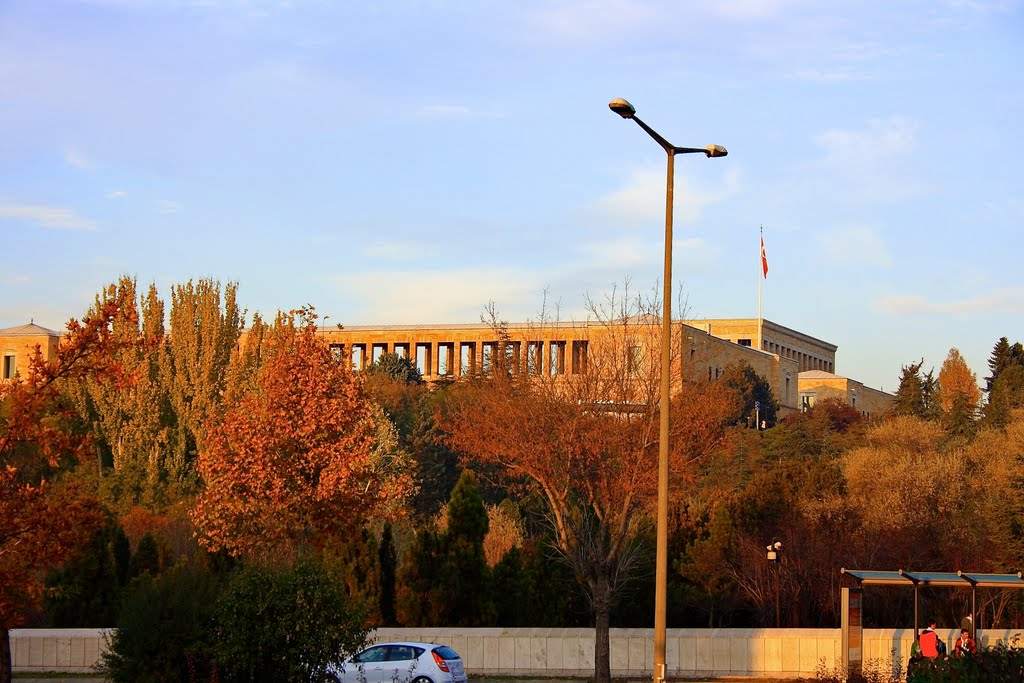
point(627, 111)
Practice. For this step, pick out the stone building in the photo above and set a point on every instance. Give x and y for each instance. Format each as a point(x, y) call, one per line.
point(703, 348)
point(18, 343)
point(800, 368)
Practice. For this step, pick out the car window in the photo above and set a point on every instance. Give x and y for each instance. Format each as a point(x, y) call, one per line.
point(402, 653)
point(446, 652)
point(373, 654)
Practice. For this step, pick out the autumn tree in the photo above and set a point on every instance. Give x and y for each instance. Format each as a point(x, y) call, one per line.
point(145, 432)
point(958, 394)
point(291, 460)
point(43, 522)
point(586, 443)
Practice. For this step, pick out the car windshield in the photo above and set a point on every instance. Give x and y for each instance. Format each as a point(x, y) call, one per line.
point(446, 652)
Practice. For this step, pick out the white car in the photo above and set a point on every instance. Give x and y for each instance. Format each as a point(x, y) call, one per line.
point(400, 663)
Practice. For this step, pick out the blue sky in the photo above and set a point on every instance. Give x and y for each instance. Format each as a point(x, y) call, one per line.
point(409, 161)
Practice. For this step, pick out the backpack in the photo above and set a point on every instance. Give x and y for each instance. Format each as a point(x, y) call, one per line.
point(940, 646)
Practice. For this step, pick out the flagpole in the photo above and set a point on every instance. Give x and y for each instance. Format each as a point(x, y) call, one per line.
point(760, 284)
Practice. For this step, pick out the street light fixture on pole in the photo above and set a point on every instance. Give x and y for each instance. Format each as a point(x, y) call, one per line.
point(627, 111)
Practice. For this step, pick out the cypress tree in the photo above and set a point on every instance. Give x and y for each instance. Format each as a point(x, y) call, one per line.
point(386, 558)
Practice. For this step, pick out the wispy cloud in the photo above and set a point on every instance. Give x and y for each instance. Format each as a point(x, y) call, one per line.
point(854, 149)
point(399, 251)
point(54, 217)
point(642, 197)
point(436, 297)
point(589, 21)
point(1003, 301)
point(855, 246)
point(117, 194)
point(76, 158)
point(167, 206)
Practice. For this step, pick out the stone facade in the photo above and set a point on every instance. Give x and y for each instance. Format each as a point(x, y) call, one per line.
point(702, 349)
point(816, 385)
point(18, 343)
point(795, 364)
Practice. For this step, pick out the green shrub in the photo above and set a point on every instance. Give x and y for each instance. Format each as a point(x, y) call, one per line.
point(284, 626)
point(163, 630)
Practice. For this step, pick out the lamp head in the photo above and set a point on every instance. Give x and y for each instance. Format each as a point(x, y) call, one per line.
point(713, 150)
point(622, 108)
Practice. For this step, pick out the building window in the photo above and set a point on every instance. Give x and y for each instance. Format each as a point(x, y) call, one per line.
point(806, 401)
point(636, 359)
point(9, 366)
point(743, 342)
point(579, 357)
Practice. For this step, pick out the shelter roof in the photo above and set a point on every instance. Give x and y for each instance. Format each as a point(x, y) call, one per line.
point(948, 579)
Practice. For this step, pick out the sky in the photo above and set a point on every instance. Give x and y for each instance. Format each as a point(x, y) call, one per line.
point(411, 161)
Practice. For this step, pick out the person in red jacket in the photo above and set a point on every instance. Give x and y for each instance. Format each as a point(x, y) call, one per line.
point(965, 645)
point(929, 642)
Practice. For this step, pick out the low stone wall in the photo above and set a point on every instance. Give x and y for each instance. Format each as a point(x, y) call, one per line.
point(689, 653)
point(67, 650)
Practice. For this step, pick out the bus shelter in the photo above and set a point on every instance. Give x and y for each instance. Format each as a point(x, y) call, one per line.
point(852, 625)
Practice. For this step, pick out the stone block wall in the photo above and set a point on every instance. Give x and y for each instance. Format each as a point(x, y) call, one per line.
point(689, 653)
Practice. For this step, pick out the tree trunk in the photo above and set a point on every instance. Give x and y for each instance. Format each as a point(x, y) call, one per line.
point(602, 620)
point(5, 655)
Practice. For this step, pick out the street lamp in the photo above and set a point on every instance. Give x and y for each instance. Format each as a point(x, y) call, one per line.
point(627, 111)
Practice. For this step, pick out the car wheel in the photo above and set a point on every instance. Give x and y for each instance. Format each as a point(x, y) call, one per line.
point(331, 678)
point(422, 679)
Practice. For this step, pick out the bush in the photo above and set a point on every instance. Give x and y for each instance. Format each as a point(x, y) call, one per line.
point(163, 630)
point(1003, 663)
point(285, 626)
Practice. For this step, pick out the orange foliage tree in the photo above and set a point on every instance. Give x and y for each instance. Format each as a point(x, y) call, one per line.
point(41, 523)
point(586, 443)
point(291, 459)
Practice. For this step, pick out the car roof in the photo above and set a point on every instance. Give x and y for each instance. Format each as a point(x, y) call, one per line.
point(426, 646)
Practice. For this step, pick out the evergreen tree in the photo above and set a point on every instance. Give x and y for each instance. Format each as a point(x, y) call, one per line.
point(387, 562)
point(510, 590)
point(354, 558)
point(755, 393)
point(395, 367)
point(468, 577)
point(418, 597)
point(910, 396)
point(146, 560)
point(85, 592)
point(1000, 359)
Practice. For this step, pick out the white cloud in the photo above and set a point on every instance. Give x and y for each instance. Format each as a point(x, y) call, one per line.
point(437, 297)
point(854, 149)
point(116, 194)
point(642, 199)
point(589, 21)
point(855, 246)
point(74, 157)
point(54, 217)
point(167, 206)
point(399, 251)
point(1003, 301)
